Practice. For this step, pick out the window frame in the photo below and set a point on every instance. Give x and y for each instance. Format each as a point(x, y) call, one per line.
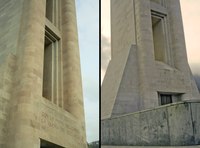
point(167, 53)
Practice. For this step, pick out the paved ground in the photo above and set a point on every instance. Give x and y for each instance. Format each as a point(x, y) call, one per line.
point(150, 146)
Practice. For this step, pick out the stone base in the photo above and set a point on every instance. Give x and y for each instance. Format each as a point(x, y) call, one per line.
point(175, 124)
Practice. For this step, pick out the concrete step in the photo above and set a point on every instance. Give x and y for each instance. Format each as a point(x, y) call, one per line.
point(196, 146)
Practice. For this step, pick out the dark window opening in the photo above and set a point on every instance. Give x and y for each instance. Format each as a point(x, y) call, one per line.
point(48, 69)
point(165, 99)
point(53, 10)
point(49, 10)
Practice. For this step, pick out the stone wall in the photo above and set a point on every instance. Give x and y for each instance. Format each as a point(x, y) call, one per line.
point(26, 116)
point(175, 124)
point(10, 14)
point(6, 81)
point(122, 26)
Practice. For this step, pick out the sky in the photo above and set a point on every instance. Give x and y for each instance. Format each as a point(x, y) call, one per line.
point(191, 22)
point(88, 32)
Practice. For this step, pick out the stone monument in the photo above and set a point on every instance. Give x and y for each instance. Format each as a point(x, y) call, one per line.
point(149, 96)
point(41, 101)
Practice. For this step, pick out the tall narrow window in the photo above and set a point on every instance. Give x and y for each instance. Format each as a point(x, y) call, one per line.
point(53, 11)
point(52, 70)
point(51, 67)
point(48, 68)
point(49, 10)
point(160, 38)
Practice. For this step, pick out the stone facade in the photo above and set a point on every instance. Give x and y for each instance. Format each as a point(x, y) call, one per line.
point(149, 96)
point(148, 58)
point(41, 102)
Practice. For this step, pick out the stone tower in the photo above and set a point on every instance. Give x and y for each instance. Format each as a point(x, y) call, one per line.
point(149, 97)
point(41, 102)
point(148, 66)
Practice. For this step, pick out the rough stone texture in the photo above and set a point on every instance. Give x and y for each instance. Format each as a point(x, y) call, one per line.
point(10, 11)
point(169, 125)
point(6, 82)
point(25, 115)
point(121, 23)
point(134, 78)
point(115, 71)
point(128, 93)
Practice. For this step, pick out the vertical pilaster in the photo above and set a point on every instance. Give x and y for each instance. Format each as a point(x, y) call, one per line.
point(28, 76)
point(31, 48)
point(71, 61)
point(144, 39)
point(178, 39)
point(73, 96)
point(178, 44)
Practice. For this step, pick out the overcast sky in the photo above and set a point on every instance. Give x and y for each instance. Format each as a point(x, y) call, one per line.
point(88, 28)
point(191, 20)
